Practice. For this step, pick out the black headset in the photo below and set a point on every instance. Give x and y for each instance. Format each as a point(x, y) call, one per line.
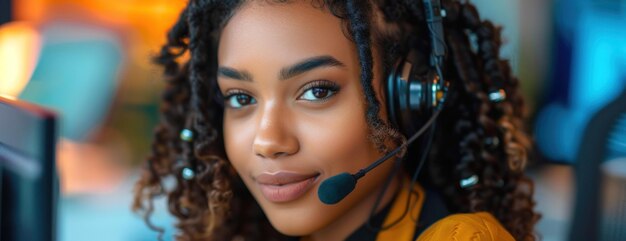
point(414, 101)
point(414, 91)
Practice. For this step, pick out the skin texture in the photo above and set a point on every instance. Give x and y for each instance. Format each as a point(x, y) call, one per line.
point(284, 130)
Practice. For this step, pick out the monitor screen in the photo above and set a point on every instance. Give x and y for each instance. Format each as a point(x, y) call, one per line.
point(28, 179)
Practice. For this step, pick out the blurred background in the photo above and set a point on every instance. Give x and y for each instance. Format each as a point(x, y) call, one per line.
point(89, 61)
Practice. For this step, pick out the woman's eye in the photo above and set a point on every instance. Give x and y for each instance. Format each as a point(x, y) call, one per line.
point(318, 93)
point(237, 101)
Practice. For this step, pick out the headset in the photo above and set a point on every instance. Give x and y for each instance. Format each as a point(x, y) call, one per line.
point(412, 96)
point(414, 102)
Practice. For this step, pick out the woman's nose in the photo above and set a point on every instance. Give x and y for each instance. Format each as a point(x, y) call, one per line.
point(274, 137)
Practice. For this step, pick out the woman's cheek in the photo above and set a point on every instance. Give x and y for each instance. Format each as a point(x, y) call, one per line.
point(339, 139)
point(237, 141)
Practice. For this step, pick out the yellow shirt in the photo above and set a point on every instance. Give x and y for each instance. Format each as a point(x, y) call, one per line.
point(480, 226)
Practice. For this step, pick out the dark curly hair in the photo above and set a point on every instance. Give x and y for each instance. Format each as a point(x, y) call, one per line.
point(476, 136)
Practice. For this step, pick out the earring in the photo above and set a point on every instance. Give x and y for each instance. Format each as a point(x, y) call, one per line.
point(469, 182)
point(187, 172)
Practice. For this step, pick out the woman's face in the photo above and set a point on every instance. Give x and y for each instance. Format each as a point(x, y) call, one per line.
point(295, 114)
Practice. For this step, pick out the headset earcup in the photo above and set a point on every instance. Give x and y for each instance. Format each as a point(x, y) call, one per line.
point(408, 97)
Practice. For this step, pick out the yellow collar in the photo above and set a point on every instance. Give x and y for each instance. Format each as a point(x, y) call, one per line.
point(404, 230)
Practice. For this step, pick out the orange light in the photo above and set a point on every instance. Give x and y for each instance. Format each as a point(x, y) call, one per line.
point(142, 24)
point(20, 44)
point(149, 19)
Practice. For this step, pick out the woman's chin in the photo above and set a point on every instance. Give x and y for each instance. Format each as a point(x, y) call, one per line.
point(299, 221)
point(296, 228)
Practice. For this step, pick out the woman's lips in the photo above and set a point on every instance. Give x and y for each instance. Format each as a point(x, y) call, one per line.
point(285, 186)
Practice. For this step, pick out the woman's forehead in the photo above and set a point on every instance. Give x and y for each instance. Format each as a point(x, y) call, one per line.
point(283, 32)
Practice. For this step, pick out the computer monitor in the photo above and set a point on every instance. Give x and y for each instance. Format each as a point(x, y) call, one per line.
point(28, 179)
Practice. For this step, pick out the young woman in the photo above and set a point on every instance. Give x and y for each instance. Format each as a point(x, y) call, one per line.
point(278, 96)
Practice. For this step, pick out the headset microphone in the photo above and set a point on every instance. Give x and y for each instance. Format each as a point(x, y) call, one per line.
point(412, 97)
point(334, 189)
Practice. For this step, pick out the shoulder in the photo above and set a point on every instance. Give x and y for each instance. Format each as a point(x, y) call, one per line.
point(480, 226)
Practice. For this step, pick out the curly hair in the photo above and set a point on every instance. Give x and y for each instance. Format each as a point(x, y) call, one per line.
point(477, 136)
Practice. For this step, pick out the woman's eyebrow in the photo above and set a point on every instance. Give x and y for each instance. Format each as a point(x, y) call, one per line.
point(234, 74)
point(309, 64)
point(287, 72)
